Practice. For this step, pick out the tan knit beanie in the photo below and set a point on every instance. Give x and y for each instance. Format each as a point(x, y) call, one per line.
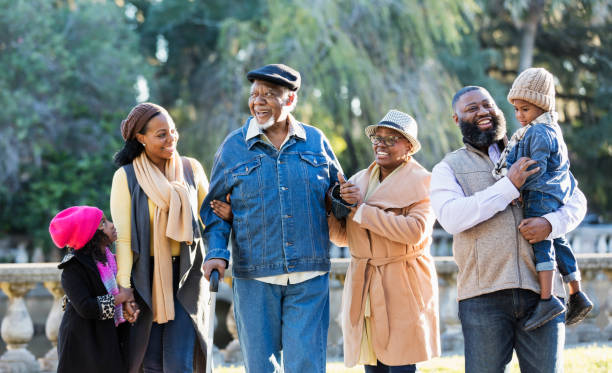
point(536, 86)
point(138, 117)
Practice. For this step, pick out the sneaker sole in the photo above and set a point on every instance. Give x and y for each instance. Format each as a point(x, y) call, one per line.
point(547, 319)
point(579, 317)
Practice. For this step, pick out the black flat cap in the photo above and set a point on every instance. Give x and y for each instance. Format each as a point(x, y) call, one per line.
point(278, 74)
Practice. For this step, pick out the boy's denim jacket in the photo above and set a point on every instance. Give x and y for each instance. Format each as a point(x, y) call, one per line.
point(543, 142)
point(278, 202)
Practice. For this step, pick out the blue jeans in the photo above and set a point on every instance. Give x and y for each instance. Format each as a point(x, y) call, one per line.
point(170, 348)
point(382, 368)
point(492, 326)
point(546, 252)
point(292, 318)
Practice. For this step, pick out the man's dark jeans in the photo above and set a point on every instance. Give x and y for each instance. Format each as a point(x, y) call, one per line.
point(492, 327)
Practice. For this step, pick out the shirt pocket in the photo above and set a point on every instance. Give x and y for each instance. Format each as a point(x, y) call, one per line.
point(246, 178)
point(315, 171)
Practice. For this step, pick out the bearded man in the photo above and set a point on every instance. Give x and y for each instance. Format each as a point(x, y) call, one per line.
point(277, 172)
point(497, 284)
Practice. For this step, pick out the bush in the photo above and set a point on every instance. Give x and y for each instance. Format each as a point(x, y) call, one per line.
point(67, 79)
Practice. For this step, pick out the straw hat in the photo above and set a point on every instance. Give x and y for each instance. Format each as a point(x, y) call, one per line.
point(402, 123)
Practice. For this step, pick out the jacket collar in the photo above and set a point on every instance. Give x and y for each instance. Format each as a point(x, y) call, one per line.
point(252, 132)
point(406, 186)
point(84, 259)
point(65, 260)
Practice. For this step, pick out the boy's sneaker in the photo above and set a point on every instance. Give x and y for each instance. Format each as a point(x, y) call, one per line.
point(545, 311)
point(578, 307)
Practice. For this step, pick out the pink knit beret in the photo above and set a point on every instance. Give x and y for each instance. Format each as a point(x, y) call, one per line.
point(75, 226)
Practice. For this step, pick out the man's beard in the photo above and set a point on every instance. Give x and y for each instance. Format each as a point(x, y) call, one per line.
point(483, 139)
point(269, 123)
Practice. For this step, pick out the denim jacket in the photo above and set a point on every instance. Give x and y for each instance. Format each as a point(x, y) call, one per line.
point(543, 142)
point(278, 202)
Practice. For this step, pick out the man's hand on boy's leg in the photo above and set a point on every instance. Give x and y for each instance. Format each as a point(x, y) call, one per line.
point(535, 229)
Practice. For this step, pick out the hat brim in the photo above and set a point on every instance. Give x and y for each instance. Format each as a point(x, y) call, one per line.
point(271, 79)
point(416, 145)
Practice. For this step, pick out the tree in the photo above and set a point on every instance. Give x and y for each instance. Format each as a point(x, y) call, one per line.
point(67, 80)
point(357, 58)
point(526, 16)
point(572, 43)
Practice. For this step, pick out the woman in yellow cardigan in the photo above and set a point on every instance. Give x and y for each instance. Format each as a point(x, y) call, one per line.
point(390, 300)
point(155, 199)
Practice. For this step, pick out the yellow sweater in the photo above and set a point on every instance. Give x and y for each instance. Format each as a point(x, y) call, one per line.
point(121, 211)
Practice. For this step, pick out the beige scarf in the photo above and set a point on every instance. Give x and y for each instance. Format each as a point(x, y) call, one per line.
point(172, 221)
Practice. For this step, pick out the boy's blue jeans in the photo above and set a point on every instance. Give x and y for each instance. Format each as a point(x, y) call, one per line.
point(538, 204)
point(293, 319)
point(492, 326)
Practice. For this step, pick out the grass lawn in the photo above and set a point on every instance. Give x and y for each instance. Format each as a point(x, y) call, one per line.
point(591, 359)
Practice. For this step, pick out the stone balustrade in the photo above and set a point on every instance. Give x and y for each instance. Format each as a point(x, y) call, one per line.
point(596, 270)
point(17, 329)
point(584, 239)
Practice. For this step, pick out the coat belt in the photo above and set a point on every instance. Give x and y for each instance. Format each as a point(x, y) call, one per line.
point(367, 278)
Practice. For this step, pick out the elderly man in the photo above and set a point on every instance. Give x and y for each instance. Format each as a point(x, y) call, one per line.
point(497, 283)
point(277, 172)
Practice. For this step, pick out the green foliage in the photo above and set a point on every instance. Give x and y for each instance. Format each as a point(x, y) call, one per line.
point(68, 70)
point(67, 80)
point(358, 59)
point(573, 43)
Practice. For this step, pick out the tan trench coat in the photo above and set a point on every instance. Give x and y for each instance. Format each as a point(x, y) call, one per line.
point(390, 261)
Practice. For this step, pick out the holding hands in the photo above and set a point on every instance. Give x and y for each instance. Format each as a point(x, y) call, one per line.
point(131, 311)
point(130, 307)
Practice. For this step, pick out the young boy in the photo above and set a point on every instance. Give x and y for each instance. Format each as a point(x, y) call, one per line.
point(540, 138)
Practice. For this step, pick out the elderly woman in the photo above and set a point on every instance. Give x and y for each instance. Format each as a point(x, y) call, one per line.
point(155, 198)
point(390, 299)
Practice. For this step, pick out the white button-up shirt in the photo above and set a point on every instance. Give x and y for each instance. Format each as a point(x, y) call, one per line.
point(457, 212)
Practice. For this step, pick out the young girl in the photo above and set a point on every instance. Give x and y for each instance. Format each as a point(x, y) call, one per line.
point(540, 138)
point(88, 336)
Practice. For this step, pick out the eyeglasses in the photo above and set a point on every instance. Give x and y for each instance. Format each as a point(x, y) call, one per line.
point(388, 140)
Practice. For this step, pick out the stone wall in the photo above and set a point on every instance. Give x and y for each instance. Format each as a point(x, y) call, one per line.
point(23, 304)
point(596, 271)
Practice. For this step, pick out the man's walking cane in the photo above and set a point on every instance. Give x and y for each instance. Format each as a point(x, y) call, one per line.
point(214, 288)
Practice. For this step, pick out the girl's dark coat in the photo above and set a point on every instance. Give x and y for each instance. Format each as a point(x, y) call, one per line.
point(86, 343)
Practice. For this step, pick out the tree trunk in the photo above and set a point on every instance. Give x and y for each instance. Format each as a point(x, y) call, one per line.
point(529, 31)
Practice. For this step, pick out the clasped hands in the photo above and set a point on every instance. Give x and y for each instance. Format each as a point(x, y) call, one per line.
point(130, 307)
